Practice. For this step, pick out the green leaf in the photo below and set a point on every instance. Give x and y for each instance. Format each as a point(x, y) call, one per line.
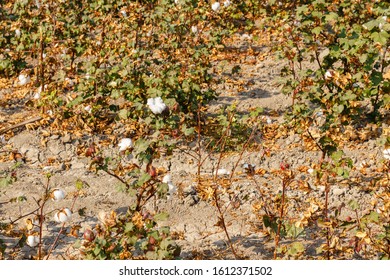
point(372, 217)
point(380, 37)
point(145, 177)
point(129, 227)
point(123, 114)
point(5, 182)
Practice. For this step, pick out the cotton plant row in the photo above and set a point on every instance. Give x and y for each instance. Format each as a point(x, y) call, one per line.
point(142, 75)
point(347, 43)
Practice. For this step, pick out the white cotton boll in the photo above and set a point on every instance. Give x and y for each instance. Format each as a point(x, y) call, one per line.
point(221, 171)
point(32, 240)
point(124, 13)
point(18, 33)
point(23, 79)
point(58, 194)
point(386, 154)
point(246, 37)
point(167, 179)
point(125, 144)
point(156, 105)
point(194, 29)
point(70, 82)
point(172, 189)
point(42, 88)
point(216, 6)
point(63, 215)
point(310, 171)
point(384, 19)
point(88, 109)
point(328, 74)
point(227, 3)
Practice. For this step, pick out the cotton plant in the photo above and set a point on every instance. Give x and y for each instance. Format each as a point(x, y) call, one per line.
point(62, 215)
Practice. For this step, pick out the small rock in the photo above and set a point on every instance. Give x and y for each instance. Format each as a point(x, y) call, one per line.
point(338, 191)
point(67, 138)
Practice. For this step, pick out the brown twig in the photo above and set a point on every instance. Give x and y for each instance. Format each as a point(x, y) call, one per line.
point(6, 129)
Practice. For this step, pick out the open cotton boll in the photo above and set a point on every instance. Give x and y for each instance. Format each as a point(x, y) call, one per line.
point(156, 105)
point(63, 216)
point(216, 6)
point(227, 3)
point(386, 154)
point(125, 144)
point(172, 189)
point(167, 179)
point(32, 240)
point(23, 79)
point(194, 29)
point(88, 109)
point(58, 194)
point(18, 33)
point(221, 171)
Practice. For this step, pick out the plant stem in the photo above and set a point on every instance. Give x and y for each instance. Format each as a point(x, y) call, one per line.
point(223, 223)
point(277, 236)
point(41, 217)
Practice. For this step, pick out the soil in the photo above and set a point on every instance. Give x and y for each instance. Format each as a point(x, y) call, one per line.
point(193, 220)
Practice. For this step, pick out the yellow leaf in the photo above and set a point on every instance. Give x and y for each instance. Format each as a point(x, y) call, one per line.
point(361, 234)
point(387, 75)
point(29, 224)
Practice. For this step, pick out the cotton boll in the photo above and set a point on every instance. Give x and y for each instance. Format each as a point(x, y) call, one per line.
point(172, 189)
point(156, 105)
point(386, 154)
point(18, 33)
point(221, 171)
point(125, 144)
point(328, 75)
point(58, 194)
point(32, 240)
point(216, 6)
point(227, 3)
point(167, 179)
point(88, 109)
point(23, 79)
point(63, 215)
point(194, 29)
